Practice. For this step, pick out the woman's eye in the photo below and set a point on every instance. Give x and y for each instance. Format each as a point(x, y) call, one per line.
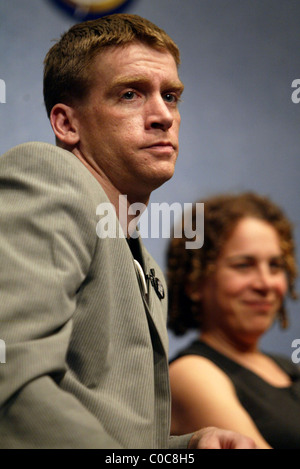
point(242, 266)
point(277, 266)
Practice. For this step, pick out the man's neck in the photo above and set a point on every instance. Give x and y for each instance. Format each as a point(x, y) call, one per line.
point(128, 218)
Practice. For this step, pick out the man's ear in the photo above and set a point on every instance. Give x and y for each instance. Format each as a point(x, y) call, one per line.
point(64, 124)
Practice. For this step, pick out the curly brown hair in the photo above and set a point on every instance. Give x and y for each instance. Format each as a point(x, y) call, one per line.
point(188, 267)
point(68, 64)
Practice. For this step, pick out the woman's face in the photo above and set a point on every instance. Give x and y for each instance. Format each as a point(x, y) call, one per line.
point(243, 295)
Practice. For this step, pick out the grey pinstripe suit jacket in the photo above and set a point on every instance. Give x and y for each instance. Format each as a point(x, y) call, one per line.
point(86, 365)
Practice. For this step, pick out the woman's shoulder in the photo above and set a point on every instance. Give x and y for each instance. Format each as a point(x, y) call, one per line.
point(192, 367)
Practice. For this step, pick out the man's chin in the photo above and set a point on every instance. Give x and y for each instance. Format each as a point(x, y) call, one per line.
point(162, 178)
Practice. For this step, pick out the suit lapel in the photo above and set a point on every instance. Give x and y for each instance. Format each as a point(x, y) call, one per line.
point(153, 305)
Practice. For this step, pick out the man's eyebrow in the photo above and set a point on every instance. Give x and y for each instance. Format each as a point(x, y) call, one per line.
point(138, 80)
point(177, 86)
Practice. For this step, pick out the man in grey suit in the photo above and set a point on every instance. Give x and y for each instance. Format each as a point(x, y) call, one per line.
point(83, 313)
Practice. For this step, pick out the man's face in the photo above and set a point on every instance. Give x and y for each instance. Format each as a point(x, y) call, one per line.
point(129, 124)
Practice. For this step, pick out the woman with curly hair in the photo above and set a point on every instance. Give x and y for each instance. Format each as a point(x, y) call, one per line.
point(232, 290)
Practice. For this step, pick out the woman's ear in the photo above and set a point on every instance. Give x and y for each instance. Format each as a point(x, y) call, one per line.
point(64, 124)
point(193, 292)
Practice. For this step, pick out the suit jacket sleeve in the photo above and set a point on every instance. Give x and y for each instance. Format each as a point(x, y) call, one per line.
point(47, 237)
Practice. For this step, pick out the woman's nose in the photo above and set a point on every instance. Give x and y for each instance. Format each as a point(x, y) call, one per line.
point(264, 279)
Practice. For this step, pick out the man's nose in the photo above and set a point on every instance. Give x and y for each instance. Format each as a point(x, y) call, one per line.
point(158, 114)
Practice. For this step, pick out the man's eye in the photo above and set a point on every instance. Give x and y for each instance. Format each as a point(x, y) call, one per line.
point(128, 95)
point(170, 98)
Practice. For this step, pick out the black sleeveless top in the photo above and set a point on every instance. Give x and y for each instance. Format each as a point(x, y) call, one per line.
point(275, 411)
